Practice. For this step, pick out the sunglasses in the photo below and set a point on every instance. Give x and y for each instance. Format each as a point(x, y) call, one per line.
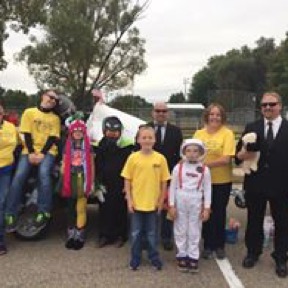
point(160, 111)
point(270, 104)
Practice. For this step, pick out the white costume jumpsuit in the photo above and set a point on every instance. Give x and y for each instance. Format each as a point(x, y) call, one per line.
point(190, 189)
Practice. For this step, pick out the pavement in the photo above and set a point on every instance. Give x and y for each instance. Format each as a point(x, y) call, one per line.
point(47, 263)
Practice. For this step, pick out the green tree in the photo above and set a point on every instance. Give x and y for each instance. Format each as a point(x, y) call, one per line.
point(130, 102)
point(203, 82)
point(278, 74)
point(20, 15)
point(177, 98)
point(99, 47)
point(242, 69)
point(14, 99)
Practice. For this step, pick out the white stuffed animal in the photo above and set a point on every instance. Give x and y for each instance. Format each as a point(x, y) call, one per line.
point(251, 164)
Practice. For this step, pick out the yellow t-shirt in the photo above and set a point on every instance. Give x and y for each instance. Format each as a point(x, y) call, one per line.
point(146, 172)
point(41, 125)
point(221, 143)
point(8, 142)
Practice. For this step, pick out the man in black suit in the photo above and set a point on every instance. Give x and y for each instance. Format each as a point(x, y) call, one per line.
point(268, 184)
point(168, 141)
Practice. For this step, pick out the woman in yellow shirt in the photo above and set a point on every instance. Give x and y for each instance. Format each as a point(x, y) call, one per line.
point(220, 144)
point(8, 142)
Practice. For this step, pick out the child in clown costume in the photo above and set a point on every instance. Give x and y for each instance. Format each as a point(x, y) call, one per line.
point(189, 201)
point(78, 179)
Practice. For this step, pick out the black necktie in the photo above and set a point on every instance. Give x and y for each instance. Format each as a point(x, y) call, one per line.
point(159, 134)
point(270, 136)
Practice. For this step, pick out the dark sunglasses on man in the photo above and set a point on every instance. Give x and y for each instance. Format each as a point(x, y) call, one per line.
point(270, 104)
point(161, 110)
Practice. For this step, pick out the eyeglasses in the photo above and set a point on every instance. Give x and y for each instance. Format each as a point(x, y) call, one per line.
point(161, 111)
point(270, 104)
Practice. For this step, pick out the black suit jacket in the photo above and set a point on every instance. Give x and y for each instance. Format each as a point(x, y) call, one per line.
point(271, 178)
point(170, 146)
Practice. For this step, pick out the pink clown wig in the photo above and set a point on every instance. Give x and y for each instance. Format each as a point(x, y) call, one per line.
point(66, 188)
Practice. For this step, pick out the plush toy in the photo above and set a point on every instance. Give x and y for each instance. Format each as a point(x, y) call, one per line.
point(251, 164)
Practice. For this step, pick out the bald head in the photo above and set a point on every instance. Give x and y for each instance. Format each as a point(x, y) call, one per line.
point(160, 112)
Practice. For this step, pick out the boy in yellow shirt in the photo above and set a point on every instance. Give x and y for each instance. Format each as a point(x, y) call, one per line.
point(146, 174)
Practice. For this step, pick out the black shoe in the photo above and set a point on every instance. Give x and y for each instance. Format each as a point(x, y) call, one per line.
point(70, 242)
point(207, 254)
point(120, 242)
point(3, 249)
point(220, 253)
point(281, 269)
point(249, 261)
point(168, 246)
point(103, 242)
point(79, 239)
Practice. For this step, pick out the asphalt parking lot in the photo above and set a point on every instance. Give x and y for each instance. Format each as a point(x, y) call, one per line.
point(47, 263)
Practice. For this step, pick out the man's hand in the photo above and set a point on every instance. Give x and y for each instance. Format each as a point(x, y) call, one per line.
point(245, 155)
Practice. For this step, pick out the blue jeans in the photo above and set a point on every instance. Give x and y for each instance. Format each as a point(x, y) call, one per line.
point(44, 185)
point(5, 179)
point(144, 224)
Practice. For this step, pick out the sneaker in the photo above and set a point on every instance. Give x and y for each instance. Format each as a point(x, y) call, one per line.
point(157, 264)
point(168, 246)
point(134, 265)
point(207, 254)
point(3, 249)
point(10, 223)
point(79, 239)
point(182, 265)
point(42, 218)
point(193, 265)
point(220, 253)
point(70, 242)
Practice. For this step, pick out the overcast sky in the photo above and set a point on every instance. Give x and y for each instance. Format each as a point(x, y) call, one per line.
point(180, 38)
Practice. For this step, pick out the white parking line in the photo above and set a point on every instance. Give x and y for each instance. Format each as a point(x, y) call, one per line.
point(229, 274)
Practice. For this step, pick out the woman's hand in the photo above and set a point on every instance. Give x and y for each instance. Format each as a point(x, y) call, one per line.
point(205, 214)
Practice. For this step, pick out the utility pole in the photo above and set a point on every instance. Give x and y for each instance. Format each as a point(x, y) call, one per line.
point(186, 81)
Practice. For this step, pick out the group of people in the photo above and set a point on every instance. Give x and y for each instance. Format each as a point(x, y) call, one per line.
point(186, 184)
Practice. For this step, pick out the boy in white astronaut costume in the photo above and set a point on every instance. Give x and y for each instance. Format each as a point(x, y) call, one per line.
point(189, 201)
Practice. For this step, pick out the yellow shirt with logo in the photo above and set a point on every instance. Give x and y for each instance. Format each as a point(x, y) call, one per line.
point(8, 143)
point(218, 144)
point(41, 125)
point(146, 172)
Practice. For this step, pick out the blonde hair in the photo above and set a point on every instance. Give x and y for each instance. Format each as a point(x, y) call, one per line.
point(142, 128)
point(274, 94)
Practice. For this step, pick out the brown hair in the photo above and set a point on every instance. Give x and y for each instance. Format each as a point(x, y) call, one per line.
point(207, 111)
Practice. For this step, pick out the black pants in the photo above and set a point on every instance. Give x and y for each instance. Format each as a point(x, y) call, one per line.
point(214, 228)
point(166, 228)
point(113, 219)
point(256, 207)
